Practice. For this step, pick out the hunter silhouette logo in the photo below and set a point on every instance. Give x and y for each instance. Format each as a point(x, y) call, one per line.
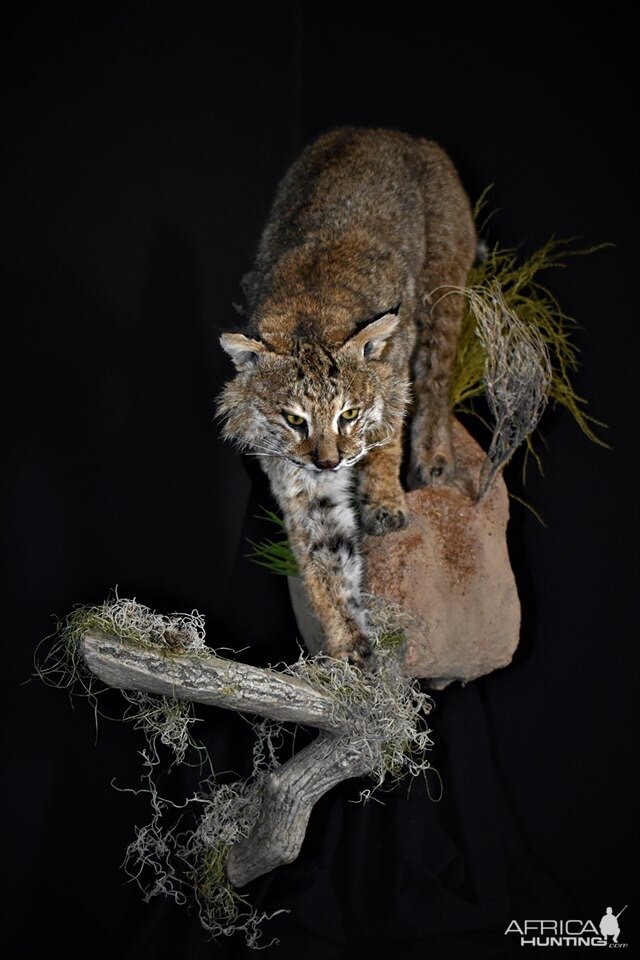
point(609, 926)
point(570, 933)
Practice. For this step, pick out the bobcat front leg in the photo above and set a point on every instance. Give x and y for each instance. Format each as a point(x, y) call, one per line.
point(383, 503)
point(323, 534)
point(331, 573)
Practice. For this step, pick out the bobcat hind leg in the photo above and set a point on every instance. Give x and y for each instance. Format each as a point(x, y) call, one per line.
point(450, 250)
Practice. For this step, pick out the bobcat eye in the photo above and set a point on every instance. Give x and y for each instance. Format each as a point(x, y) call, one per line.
point(350, 415)
point(294, 419)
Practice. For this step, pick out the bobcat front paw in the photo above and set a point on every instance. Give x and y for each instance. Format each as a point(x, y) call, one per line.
point(360, 654)
point(354, 647)
point(378, 520)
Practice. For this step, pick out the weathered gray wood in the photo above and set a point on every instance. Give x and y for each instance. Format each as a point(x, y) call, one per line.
point(291, 791)
point(289, 796)
point(214, 681)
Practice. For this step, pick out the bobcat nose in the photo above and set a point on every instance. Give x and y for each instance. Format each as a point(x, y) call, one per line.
point(327, 464)
point(326, 455)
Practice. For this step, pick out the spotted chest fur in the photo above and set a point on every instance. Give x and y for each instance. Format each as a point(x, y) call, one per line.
point(346, 334)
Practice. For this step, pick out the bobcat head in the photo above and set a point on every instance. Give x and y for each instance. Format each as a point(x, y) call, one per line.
point(317, 406)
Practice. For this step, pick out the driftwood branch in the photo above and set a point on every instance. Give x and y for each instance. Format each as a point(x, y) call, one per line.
point(211, 680)
point(289, 796)
point(291, 791)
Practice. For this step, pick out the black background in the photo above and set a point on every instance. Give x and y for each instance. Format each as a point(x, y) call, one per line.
point(144, 144)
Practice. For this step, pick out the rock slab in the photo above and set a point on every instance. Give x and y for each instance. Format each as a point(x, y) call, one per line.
point(447, 574)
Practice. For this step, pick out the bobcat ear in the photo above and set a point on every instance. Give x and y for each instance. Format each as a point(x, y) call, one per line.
point(370, 340)
point(243, 350)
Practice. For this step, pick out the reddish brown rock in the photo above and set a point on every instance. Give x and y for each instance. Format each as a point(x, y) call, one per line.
point(449, 571)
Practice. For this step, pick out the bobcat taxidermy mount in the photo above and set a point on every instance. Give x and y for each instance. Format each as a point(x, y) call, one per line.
point(348, 333)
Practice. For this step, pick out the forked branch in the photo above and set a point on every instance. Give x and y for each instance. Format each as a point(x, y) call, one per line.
point(291, 790)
